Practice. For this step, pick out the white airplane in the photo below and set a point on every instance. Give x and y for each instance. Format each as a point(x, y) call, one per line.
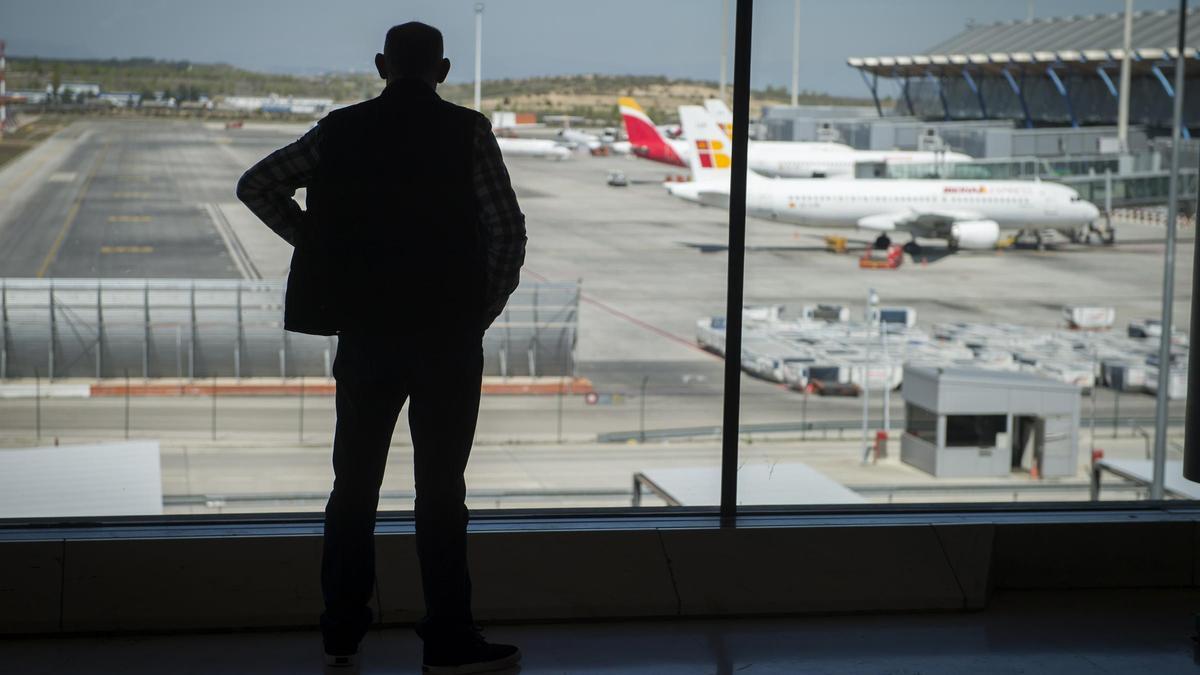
point(576, 139)
point(965, 213)
point(532, 147)
point(784, 159)
point(579, 139)
point(803, 159)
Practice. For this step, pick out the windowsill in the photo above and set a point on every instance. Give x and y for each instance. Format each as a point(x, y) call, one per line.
point(616, 519)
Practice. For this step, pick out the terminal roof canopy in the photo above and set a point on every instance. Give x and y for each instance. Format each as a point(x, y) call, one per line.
point(1075, 40)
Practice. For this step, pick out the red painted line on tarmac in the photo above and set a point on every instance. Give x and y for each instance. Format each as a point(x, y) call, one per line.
point(633, 319)
point(578, 385)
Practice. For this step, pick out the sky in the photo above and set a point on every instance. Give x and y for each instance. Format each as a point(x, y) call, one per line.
point(676, 38)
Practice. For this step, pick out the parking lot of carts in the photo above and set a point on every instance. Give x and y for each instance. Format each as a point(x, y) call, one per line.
point(821, 346)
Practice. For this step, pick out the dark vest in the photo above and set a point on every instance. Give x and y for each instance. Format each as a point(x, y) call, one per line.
point(392, 242)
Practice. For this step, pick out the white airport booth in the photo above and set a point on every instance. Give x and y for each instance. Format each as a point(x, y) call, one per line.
point(968, 422)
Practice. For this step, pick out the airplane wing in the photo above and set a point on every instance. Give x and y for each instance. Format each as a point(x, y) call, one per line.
point(932, 224)
point(968, 229)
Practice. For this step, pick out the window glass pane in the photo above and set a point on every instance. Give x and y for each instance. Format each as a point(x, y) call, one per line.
point(130, 265)
point(939, 293)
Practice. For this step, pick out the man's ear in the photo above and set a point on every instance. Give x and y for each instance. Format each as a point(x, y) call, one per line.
point(443, 70)
point(381, 66)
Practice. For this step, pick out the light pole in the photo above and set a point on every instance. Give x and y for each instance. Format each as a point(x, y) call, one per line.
point(1123, 97)
point(872, 299)
point(796, 53)
point(724, 45)
point(478, 52)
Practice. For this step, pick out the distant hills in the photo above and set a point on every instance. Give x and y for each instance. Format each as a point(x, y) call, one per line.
point(590, 96)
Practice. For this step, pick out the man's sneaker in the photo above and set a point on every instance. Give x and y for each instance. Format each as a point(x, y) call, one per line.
point(470, 655)
point(347, 663)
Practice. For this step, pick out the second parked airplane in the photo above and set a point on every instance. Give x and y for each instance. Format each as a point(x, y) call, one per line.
point(966, 213)
point(785, 159)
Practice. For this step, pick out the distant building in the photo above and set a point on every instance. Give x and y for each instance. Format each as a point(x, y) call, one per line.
point(74, 89)
point(1046, 72)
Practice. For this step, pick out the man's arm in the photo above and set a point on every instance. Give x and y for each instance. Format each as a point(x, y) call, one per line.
point(267, 188)
point(501, 221)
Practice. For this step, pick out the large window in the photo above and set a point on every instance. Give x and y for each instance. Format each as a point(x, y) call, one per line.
point(919, 221)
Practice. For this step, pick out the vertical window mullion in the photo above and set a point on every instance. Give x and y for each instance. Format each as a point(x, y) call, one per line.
point(735, 279)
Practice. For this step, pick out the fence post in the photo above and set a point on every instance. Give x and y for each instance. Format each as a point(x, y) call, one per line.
point(642, 414)
point(301, 436)
point(126, 403)
point(214, 407)
point(192, 337)
point(3, 329)
point(146, 330)
point(53, 334)
point(1116, 410)
point(99, 329)
point(237, 342)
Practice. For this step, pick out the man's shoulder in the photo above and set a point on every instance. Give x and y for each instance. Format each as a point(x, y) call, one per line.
point(351, 111)
point(467, 115)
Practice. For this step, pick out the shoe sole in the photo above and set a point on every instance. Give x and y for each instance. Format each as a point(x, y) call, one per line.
point(473, 668)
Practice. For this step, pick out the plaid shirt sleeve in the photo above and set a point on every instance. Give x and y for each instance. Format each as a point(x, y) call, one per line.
point(501, 221)
point(267, 188)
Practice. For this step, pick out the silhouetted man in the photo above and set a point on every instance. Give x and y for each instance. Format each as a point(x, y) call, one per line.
point(411, 244)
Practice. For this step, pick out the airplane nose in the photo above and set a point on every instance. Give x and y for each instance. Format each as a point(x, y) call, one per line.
point(1090, 211)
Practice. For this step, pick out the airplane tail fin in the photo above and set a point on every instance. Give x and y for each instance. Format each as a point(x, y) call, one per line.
point(721, 113)
point(711, 157)
point(638, 126)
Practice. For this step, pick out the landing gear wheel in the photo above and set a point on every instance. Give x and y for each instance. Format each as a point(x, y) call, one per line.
point(912, 248)
point(952, 244)
point(882, 242)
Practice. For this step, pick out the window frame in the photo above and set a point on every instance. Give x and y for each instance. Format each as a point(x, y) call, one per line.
point(727, 512)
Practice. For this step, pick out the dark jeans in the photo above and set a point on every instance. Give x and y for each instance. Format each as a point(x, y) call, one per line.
point(375, 376)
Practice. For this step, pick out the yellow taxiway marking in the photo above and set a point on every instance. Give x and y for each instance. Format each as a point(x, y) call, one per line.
point(132, 195)
point(72, 213)
point(127, 249)
point(129, 219)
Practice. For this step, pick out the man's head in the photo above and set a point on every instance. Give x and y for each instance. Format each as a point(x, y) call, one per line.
point(413, 50)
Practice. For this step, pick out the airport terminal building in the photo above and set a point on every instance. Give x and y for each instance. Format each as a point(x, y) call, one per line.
point(1047, 72)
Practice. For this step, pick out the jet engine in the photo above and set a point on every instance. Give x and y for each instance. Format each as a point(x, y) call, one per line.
point(975, 233)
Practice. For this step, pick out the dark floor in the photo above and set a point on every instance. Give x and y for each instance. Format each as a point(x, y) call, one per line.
point(1060, 632)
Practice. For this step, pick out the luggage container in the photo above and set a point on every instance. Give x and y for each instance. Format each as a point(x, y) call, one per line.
point(895, 316)
point(1176, 382)
point(1123, 375)
point(1089, 318)
point(829, 313)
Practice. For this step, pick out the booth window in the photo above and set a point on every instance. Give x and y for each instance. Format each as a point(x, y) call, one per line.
point(921, 423)
point(974, 431)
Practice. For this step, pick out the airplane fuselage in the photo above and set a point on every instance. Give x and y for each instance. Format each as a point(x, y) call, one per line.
point(1012, 204)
